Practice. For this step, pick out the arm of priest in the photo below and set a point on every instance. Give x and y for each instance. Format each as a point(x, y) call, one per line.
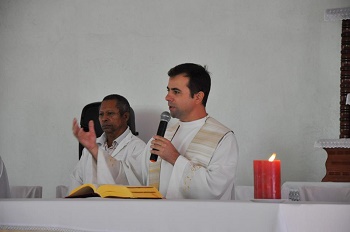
point(97, 166)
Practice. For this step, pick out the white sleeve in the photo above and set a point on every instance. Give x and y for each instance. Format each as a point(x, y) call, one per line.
point(145, 160)
point(84, 171)
point(108, 168)
point(132, 165)
point(189, 180)
point(125, 171)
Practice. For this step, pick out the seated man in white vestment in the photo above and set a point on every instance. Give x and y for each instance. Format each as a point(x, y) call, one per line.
point(4, 182)
point(197, 158)
point(114, 157)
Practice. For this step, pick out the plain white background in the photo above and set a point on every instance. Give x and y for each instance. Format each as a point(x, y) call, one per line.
point(274, 65)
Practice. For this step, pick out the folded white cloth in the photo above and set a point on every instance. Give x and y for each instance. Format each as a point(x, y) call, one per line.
point(329, 194)
point(316, 191)
point(332, 143)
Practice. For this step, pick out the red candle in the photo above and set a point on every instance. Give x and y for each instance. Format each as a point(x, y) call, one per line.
point(267, 178)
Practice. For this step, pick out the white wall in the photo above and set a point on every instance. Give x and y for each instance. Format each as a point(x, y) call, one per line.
point(274, 64)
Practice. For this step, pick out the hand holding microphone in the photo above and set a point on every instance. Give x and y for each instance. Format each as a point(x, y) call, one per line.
point(164, 119)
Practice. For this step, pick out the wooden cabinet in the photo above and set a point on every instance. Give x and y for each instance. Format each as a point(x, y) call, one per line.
point(337, 165)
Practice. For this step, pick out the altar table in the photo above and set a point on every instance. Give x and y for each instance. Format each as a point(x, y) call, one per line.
point(130, 215)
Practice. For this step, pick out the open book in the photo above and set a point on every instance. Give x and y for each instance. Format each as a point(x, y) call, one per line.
point(114, 191)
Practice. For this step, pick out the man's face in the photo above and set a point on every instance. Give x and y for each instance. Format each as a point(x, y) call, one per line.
point(110, 119)
point(180, 102)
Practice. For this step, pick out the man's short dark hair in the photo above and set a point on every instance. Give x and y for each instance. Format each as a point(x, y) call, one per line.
point(199, 78)
point(121, 103)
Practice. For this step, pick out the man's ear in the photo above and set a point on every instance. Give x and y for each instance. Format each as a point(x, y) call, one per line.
point(199, 96)
point(126, 115)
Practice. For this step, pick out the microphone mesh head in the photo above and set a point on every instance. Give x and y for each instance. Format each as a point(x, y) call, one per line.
point(165, 116)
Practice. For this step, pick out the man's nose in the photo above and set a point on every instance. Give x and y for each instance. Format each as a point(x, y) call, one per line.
point(168, 97)
point(104, 117)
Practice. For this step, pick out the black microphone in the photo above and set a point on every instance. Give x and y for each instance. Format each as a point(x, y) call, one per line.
point(164, 119)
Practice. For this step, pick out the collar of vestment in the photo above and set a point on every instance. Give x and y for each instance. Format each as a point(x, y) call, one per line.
point(119, 142)
point(194, 123)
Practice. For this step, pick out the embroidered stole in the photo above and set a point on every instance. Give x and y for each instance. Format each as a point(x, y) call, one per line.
point(154, 173)
point(203, 145)
point(200, 150)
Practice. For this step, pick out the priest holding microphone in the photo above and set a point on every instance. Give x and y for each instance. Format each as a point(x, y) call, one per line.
point(197, 157)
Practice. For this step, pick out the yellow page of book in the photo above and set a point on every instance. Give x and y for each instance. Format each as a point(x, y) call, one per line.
point(84, 190)
point(128, 191)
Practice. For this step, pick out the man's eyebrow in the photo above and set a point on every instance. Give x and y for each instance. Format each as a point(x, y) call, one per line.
point(174, 89)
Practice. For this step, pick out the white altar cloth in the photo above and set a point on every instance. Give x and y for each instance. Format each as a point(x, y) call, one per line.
point(131, 215)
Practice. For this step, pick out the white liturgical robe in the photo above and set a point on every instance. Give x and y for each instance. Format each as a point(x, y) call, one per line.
point(4, 182)
point(122, 167)
point(185, 179)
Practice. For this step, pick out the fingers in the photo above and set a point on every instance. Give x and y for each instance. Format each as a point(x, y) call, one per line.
point(75, 127)
point(159, 143)
point(91, 126)
point(74, 123)
point(164, 148)
point(160, 139)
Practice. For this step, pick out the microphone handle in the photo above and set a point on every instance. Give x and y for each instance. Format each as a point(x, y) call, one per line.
point(160, 132)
